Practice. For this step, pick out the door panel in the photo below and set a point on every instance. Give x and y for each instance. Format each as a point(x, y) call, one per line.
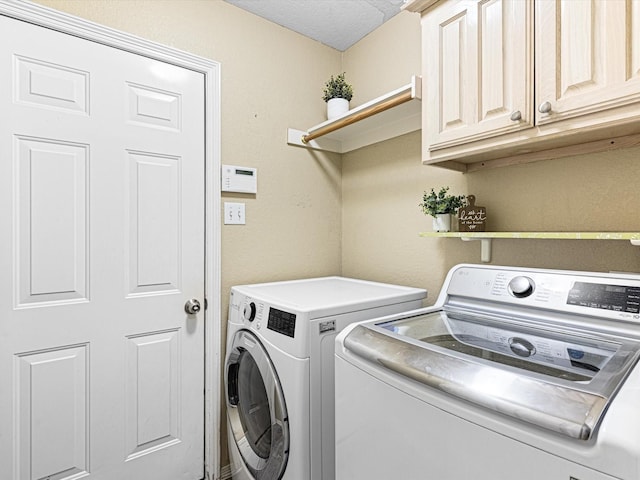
point(101, 244)
point(477, 75)
point(51, 85)
point(52, 414)
point(152, 400)
point(586, 56)
point(51, 200)
point(154, 223)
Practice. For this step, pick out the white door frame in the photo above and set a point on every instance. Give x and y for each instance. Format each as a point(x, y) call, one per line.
point(79, 27)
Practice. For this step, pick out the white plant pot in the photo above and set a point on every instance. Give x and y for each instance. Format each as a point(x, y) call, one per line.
point(442, 222)
point(337, 107)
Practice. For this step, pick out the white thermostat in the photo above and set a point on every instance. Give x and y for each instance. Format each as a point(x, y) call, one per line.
point(239, 179)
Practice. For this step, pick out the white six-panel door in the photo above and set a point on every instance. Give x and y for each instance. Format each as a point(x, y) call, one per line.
point(101, 244)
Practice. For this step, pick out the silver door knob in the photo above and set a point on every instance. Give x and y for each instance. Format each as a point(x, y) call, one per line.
point(544, 107)
point(192, 306)
point(516, 116)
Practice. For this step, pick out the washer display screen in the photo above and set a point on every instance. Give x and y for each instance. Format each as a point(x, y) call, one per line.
point(618, 298)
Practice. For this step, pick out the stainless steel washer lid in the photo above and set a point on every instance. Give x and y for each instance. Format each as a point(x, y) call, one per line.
point(559, 380)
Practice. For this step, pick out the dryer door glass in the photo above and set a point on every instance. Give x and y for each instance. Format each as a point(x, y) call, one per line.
point(256, 408)
point(253, 406)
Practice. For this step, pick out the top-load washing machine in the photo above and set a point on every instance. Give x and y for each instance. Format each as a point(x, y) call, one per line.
point(279, 366)
point(513, 373)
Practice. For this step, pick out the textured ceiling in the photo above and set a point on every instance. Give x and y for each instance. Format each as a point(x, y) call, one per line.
point(336, 23)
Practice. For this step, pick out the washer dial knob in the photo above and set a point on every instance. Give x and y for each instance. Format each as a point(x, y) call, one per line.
point(521, 286)
point(249, 312)
point(522, 347)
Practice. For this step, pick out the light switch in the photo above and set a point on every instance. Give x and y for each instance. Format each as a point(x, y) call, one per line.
point(234, 213)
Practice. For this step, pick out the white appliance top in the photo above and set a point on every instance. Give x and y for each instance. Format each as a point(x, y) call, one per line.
point(330, 295)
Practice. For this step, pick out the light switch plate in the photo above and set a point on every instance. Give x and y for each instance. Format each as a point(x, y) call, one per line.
point(234, 213)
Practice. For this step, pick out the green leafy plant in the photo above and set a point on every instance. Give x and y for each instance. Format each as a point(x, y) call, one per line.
point(437, 203)
point(337, 87)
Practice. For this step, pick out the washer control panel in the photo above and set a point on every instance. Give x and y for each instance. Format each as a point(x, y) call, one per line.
point(521, 286)
point(615, 296)
point(619, 298)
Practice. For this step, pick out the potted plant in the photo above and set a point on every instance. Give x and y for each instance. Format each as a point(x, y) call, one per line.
point(337, 93)
point(441, 206)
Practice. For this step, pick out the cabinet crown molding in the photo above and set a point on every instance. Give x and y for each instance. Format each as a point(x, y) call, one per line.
point(419, 6)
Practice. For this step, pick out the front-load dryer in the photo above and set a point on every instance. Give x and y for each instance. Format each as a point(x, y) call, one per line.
point(279, 370)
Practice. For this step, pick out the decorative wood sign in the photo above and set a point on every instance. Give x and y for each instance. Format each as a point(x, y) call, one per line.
point(472, 218)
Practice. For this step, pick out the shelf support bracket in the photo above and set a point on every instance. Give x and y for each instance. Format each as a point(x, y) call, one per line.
point(485, 247)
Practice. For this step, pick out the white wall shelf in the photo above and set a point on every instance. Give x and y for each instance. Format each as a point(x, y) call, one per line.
point(486, 237)
point(391, 115)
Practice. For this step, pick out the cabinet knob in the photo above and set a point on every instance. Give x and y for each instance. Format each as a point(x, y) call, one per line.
point(544, 107)
point(516, 116)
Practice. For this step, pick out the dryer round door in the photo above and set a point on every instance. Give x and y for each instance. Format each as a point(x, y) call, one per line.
point(256, 407)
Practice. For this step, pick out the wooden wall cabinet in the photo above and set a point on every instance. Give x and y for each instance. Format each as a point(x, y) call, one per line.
point(587, 57)
point(512, 81)
point(479, 59)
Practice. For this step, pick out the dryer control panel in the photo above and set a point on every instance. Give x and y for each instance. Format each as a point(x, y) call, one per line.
point(282, 322)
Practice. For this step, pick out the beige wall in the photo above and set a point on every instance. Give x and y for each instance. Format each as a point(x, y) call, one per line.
point(383, 184)
point(385, 59)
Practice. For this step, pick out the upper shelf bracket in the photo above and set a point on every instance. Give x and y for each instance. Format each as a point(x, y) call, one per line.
point(485, 247)
point(396, 113)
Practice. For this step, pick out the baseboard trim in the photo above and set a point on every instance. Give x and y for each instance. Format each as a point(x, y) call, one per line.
point(225, 472)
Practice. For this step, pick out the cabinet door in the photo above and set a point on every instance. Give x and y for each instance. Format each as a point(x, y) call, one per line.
point(477, 57)
point(587, 56)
